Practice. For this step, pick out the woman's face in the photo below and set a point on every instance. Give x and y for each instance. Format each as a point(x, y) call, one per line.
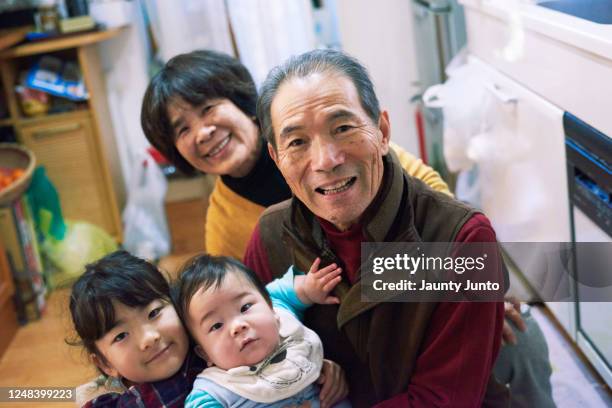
point(215, 137)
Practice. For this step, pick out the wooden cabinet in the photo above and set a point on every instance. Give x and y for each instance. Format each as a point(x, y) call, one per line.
point(77, 148)
point(66, 147)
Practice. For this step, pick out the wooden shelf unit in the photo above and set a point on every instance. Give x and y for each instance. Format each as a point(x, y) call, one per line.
point(77, 148)
point(8, 316)
point(60, 43)
point(7, 122)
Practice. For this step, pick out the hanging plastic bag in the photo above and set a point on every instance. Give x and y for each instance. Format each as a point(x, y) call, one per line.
point(145, 228)
point(68, 245)
point(83, 243)
point(482, 140)
point(466, 105)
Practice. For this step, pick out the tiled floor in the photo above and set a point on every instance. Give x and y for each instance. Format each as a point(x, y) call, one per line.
point(574, 383)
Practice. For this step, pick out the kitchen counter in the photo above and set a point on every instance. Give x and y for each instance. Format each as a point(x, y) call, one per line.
point(565, 59)
point(578, 32)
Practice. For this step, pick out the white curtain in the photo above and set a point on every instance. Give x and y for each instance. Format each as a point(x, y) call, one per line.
point(267, 32)
point(181, 26)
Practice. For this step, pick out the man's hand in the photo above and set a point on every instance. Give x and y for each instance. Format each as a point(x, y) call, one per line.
point(512, 313)
point(315, 286)
point(335, 387)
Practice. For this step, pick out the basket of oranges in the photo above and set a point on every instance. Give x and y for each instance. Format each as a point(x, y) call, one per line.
point(16, 167)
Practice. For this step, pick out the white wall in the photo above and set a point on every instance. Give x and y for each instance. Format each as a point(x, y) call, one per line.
point(124, 63)
point(379, 34)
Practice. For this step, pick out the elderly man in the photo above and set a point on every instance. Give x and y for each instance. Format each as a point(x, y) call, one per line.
point(330, 140)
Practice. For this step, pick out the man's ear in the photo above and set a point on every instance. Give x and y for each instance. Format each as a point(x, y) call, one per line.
point(200, 352)
point(272, 152)
point(103, 366)
point(385, 129)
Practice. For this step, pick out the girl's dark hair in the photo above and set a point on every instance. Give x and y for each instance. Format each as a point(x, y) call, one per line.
point(194, 77)
point(117, 277)
point(205, 271)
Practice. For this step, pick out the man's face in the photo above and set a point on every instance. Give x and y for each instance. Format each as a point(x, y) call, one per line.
point(328, 149)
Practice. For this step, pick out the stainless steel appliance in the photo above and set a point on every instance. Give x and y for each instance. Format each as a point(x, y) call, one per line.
point(589, 166)
point(439, 27)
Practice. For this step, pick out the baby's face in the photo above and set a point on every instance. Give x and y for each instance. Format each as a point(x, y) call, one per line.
point(233, 324)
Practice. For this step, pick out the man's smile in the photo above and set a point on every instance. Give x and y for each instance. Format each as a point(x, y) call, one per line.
point(336, 187)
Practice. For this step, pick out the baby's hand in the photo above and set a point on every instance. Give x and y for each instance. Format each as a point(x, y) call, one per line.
point(316, 285)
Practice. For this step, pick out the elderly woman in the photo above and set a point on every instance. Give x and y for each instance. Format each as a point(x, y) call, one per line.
point(199, 111)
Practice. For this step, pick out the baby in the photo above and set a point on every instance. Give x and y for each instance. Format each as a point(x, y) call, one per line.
point(258, 352)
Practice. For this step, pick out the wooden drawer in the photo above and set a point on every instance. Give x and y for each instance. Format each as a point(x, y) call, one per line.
point(67, 149)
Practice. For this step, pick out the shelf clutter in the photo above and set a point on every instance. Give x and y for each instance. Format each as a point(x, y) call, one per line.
point(18, 234)
point(53, 102)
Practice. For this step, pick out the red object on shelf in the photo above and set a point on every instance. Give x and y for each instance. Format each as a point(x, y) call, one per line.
point(418, 118)
point(159, 158)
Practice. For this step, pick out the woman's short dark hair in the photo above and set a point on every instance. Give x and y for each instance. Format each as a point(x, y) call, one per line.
point(206, 271)
point(311, 62)
point(117, 277)
point(194, 77)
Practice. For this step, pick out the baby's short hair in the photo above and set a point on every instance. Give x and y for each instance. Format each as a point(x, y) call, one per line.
point(206, 271)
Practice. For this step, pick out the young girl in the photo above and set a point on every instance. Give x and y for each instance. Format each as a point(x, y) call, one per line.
point(258, 353)
point(123, 315)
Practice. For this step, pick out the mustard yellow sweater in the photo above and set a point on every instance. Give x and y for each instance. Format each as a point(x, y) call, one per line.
point(231, 218)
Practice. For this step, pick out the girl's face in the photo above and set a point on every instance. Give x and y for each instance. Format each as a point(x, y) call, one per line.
point(145, 345)
point(216, 137)
point(233, 324)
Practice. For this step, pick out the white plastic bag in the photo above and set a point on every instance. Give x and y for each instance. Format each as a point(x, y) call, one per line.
point(466, 105)
point(82, 243)
point(145, 228)
point(484, 139)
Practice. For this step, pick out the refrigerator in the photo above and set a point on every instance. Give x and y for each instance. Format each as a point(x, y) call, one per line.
point(439, 34)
